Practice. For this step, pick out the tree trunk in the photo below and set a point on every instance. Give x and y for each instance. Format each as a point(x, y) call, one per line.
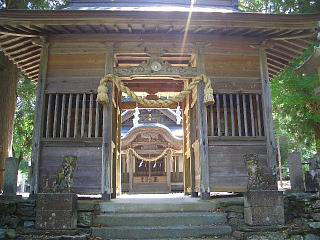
point(8, 87)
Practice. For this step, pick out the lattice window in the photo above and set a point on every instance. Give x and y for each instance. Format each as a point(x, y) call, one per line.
point(72, 115)
point(236, 115)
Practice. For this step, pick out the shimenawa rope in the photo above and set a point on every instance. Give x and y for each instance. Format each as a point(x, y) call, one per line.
point(103, 92)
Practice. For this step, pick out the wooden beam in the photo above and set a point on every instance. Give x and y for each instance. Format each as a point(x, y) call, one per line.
point(132, 105)
point(38, 122)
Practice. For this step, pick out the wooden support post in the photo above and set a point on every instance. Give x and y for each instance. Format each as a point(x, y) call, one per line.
point(96, 134)
point(267, 111)
point(225, 115)
point(48, 128)
point(55, 117)
point(168, 165)
point(188, 172)
point(218, 114)
point(63, 110)
point(38, 122)
point(76, 117)
point(107, 146)
point(83, 115)
point(203, 141)
point(130, 158)
point(258, 114)
point(69, 115)
point(232, 115)
point(239, 116)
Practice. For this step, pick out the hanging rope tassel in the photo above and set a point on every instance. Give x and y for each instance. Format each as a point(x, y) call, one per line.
point(102, 96)
point(208, 91)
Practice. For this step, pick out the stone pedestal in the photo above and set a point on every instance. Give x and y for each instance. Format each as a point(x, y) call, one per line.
point(56, 211)
point(10, 176)
point(263, 208)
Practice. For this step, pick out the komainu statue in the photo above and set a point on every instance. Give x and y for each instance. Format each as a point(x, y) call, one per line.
point(259, 177)
point(63, 180)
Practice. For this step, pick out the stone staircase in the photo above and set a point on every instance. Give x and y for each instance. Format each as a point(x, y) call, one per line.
point(150, 188)
point(156, 220)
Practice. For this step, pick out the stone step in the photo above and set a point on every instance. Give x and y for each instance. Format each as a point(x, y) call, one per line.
point(160, 219)
point(157, 207)
point(141, 232)
point(150, 188)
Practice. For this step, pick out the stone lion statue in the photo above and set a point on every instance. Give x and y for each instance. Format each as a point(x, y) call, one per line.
point(63, 180)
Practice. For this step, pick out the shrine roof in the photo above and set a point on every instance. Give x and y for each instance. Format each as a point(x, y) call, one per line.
point(288, 35)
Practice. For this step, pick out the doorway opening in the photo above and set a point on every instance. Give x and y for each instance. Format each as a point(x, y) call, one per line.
point(151, 151)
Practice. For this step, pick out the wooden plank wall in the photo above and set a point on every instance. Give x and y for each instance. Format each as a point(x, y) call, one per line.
point(87, 175)
point(228, 172)
point(76, 67)
point(73, 68)
point(234, 74)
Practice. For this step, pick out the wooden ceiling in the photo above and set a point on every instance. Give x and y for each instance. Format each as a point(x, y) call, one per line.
point(20, 31)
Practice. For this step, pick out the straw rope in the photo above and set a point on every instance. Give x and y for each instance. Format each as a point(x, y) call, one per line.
point(150, 159)
point(103, 95)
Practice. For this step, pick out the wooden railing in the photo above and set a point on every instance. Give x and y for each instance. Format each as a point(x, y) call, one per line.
point(236, 115)
point(72, 115)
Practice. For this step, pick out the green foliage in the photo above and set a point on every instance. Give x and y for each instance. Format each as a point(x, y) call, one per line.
point(32, 4)
point(23, 125)
point(296, 109)
point(280, 6)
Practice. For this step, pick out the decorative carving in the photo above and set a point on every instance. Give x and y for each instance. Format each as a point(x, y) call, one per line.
point(258, 178)
point(148, 68)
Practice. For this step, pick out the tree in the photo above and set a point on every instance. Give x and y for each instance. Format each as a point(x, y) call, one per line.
point(23, 124)
point(280, 6)
point(296, 109)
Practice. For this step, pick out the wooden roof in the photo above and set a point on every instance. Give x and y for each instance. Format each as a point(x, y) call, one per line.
point(20, 30)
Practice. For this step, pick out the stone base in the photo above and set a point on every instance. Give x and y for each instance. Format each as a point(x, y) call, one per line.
point(9, 197)
point(263, 208)
point(56, 211)
point(205, 195)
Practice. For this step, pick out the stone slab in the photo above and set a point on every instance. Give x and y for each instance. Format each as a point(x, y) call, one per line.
point(296, 174)
point(56, 201)
point(56, 211)
point(310, 182)
point(10, 176)
point(264, 216)
point(56, 219)
point(265, 198)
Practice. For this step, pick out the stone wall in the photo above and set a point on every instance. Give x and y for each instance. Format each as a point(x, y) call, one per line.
point(302, 214)
point(17, 221)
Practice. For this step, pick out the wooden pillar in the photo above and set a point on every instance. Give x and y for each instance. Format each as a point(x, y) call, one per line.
point(203, 142)
point(188, 158)
point(267, 111)
point(131, 161)
point(168, 167)
point(203, 130)
point(38, 119)
point(119, 162)
point(107, 147)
